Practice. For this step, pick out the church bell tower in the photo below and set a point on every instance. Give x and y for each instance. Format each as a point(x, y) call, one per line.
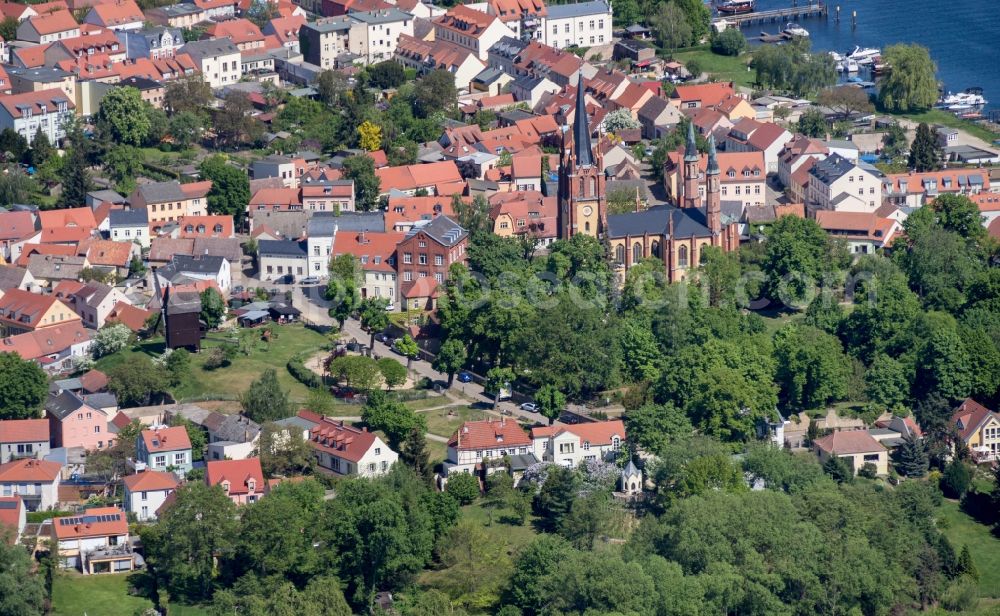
point(581, 178)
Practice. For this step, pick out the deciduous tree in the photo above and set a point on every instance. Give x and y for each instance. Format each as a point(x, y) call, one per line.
point(846, 100)
point(367, 185)
point(369, 136)
point(450, 358)
point(22, 591)
point(393, 372)
point(373, 316)
point(551, 402)
point(124, 117)
point(137, 382)
point(911, 84)
point(391, 417)
point(230, 191)
point(23, 387)
point(213, 307)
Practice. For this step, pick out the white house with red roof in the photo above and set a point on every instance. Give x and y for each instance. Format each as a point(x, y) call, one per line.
point(165, 449)
point(116, 15)
point(13, 518)
point(95, 541)
point(48, 27)
point(241, 480)
point(471, 29)
point(749, 135)
point(25, 113)
point(345, 450)
point(570, 445)
point(490, 439)
point(146, 492)
point(35, 481)
point(23, 438)
point(979, 429)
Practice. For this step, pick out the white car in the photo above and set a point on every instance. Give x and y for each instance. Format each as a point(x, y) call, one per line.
point(531, 407)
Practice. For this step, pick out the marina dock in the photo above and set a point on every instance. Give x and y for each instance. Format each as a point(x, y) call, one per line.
point(776, 16)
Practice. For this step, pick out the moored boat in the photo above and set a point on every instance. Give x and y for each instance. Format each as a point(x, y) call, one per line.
point(794, 29)
point(734, 7)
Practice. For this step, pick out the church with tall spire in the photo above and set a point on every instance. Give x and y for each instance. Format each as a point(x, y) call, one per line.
point(674, 233)
point(582, 202)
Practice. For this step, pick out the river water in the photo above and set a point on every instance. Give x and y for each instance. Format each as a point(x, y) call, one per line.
point(963, 35)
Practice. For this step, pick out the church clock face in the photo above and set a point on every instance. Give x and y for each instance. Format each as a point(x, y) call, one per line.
point(587, 210)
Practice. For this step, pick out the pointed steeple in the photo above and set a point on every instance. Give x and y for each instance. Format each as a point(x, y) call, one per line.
point(691, 151)
point(713, 162)
point(581, 130)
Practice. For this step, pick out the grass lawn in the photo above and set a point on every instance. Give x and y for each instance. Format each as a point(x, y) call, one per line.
point(942, 117)
point(985, 547)
point(438, 422)
point(721, 68)
point(105, 595)
point(229, 382)
point(427, 403)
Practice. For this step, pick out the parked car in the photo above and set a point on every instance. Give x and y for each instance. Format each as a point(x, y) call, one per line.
point(384, 338)
point(531, 407)
point(390, 307)
point(309, 280)
point(464, 377)
point(286, 279)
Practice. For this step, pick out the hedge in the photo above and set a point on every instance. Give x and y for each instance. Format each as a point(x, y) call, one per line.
point(297, 368)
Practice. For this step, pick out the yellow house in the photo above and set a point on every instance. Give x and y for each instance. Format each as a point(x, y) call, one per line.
point(735, 108)
point(22, 311)
point(857, 447)
point(979, 428)
point(170, 201)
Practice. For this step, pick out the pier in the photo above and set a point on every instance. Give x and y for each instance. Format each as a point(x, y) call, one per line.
point(775, 16)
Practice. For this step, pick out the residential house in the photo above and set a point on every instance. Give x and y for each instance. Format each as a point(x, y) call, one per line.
point(701, 95)
point(26, 113)
point(109, 256)
point(75, 423)
point(165, 449)
point(218, 226)
point(14, 277)
point(743, 177)
point(13, 518)
point(657, 117)
point(17, 229)
point(219, 60)
point(323, 40)
point(286, 30)
point(154, 43)
point(322, 228)
point(231, 436)
point(277, 258)
point(345, 450)
point(241, 480)
point(424, 258)
point(49, 270)
point(67, 226)
point(795, 153)
point(530, 89)
point(440, 178)
point(130, 316)
point(23, 438)
point(21, 311)
point(578, 24)
point(525, 214)
point(749, 135)
point(327, 195)
point(94, 301)
point(857, 447)
point(181, 267)
point(48, 28)
point(35, 481)
point(490, 439)
point(521, 16)
point(374, 34)
point(863, 232)
point(979, 429)
point(95, 541)
point(146, 491)
point(56, 349)
point(168, 201)
point(150, 90)
point(41, 78)
point(130, 225)
point(376, 256)
point(118, 15)
point(571, 445)
point(916, 189)
point(243, 32)
point(471, 29)
point(425, 56)
point(837, 183)
point(182, 15)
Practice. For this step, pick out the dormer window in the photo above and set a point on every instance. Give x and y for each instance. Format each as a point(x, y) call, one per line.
point(251, 485)
point(225, 487)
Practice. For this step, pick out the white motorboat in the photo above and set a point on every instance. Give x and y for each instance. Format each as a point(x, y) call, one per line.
point(848, 65)
point(962, 100)
point(836, 56)
point(794, 29)
point(864, 52)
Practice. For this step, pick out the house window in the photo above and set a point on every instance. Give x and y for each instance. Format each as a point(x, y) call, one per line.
point(682, 256)
point(636, 252)
point(97, 429)
point(179, 458)
point(143, 497)
point(160, 460)
point(423, 259)
point(378, 450)
point(438, 260)
point(407, 257)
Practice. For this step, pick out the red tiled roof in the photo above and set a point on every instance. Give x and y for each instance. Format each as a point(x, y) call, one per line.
point(166, 439)
point(969, 416)
point(411, 177)
point(120, 420)
point(93, 381)
point(117, 13)
point(238, 473)
point(412, 209)
point(59, 250)
point(369, 246)
point(341, 440)
point(71, 217)
point(107, 252)
point(489, 434)
point(24, 430)
point(89, 524)
point(46, 341)
point(710, 94)
point(916, 183)
point(15, 104)
point(57, 21)
point(469, 22)
point(239, 30)
point(150, 481)
point(130, 316)
point(848, 442)
point(513, 10)
point(16, 225)
point(595, 433)
point(24, 303)
point(29, 470)
point(206, 226)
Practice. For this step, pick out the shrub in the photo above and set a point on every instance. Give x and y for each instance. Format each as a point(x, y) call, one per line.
point(956, 479)
point(868, 471)
point(464, 487)
point(297, 368)
point(729, 42)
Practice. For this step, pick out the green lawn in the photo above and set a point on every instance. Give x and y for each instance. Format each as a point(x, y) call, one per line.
point(721, 68)
point(438, 422)
point(229, 382)
point(963, 530)
point(104, 595)
point(944, 118)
